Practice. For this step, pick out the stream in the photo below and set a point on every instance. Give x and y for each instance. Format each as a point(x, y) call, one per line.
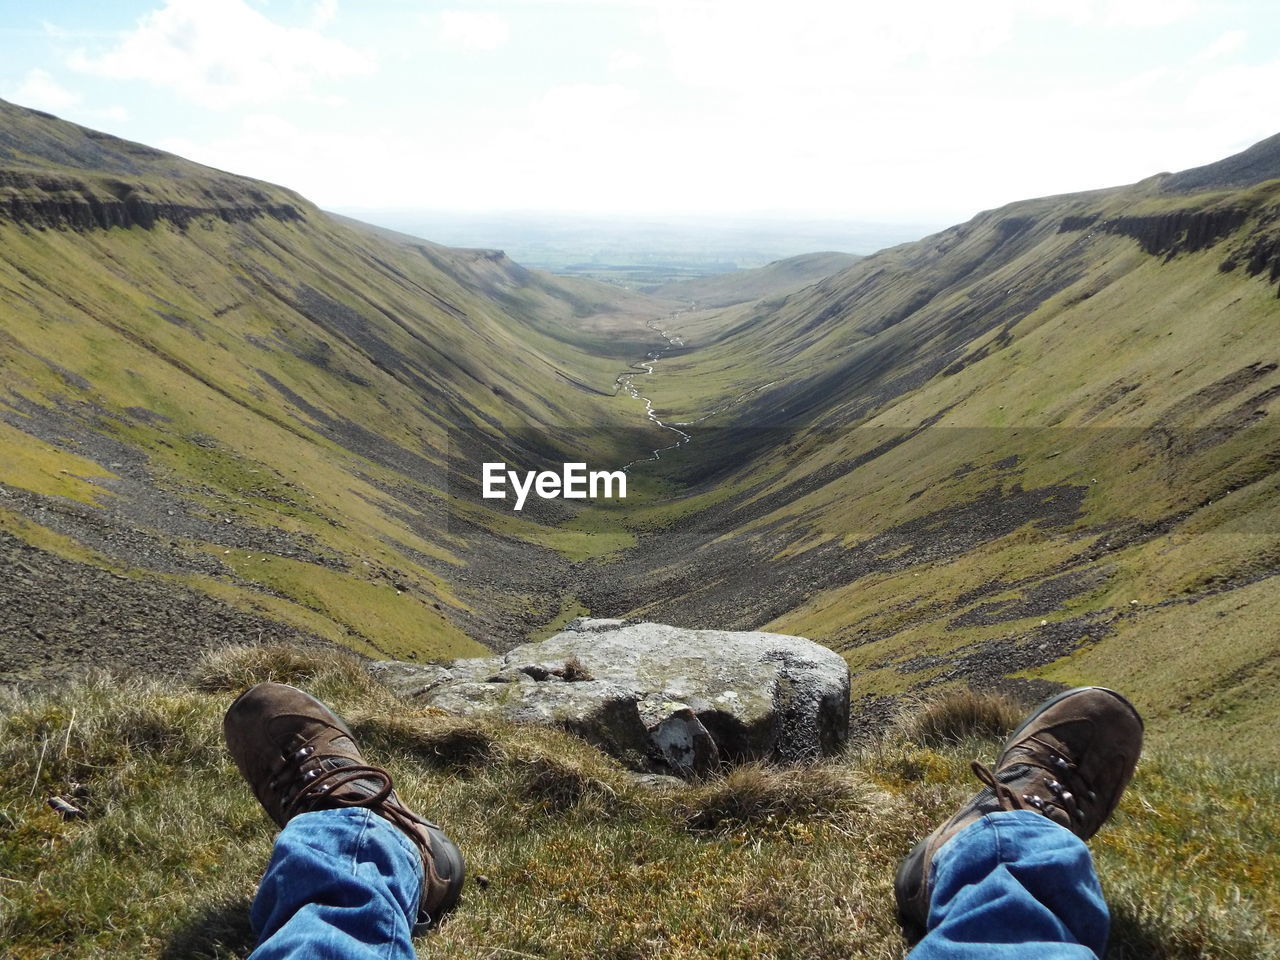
point(644, 368)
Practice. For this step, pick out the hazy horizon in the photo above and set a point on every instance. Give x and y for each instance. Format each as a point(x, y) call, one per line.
point(926, 112)
point(704, 244)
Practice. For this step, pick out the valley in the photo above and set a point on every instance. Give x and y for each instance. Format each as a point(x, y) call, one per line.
point(1036, 448)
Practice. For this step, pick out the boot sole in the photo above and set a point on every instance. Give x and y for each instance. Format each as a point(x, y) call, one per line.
point(450, 866)
point(909, 896)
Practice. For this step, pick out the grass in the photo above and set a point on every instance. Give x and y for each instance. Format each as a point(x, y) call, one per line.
point(46, 539)
point(581, 860)
point(395, 623)
point(570, 609)
point(33, 465)
point(957, 715)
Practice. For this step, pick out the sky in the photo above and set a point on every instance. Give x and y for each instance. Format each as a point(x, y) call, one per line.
point(911, 110)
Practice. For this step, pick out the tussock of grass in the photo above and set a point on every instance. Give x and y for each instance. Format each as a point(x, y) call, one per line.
point(957, 715)
point(582, 860)
point(756, 795)
point(323, 672)
point(551, 784)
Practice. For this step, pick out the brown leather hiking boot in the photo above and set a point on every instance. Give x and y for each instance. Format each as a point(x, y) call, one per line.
point(299, 756)
point(1069, 760)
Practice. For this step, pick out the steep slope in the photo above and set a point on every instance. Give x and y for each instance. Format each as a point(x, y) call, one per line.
point(775, 279)
point(209, 382)
point(1260, 162)
point(1040, 444)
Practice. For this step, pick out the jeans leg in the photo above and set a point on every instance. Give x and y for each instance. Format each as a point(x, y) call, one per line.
point(342, 884)
point(1014, 885)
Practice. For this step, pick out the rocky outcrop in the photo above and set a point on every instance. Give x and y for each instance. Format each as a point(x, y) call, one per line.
point(1183, 231)
point(1256, 244)
point(1166, 234)
point(58, 202)
point(1260, 252)
point(659, 698)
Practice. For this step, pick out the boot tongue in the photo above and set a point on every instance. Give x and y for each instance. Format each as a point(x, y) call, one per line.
point(986, 800)
point(357, 789)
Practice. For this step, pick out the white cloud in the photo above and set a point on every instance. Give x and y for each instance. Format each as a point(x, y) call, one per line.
point(114, 113)
point(816, 45)
point(54, 31)
point(1239, 98)
point(581, 104)
point(270, 147)
point(1145, 13)
point(323, 14)
point(622, 61)
point(473, 30)
point(1116, 13)
point(40, 90)
point(224, 53)
point(1227, 44)
point(920, 108)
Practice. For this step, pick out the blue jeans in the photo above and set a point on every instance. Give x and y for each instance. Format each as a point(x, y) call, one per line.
point(1014, 885)
point(344, 885)
point(341, 885)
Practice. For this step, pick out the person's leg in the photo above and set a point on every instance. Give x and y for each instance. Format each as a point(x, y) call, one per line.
point(1010, 870)
point(341, 883)
point(1013, 885)
point(353, 866)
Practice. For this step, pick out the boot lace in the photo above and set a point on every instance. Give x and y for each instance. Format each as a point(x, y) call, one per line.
point(1061, 795)
point(323, 785)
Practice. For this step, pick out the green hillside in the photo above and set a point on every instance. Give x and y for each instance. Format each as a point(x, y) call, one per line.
point(210, 383)
point(1039, 445)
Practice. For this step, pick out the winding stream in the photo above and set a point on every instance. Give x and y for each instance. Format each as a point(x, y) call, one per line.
point(644, 368)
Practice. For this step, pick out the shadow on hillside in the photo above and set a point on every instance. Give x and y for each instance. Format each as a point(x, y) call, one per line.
point(217, 931)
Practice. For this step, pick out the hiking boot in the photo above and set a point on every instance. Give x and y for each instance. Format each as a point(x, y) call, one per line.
point(1069, 760)
point(299, 756)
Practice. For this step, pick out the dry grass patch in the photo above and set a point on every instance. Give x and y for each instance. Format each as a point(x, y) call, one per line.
point(957, 715)
point(442, 741)
point(756, 795)
point(324, 671)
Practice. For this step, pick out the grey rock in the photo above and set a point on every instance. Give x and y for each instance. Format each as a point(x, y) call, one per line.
point(678, 736)
point(658, 782)
point(411, 679)
point(662, 699)
point(594, 625)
